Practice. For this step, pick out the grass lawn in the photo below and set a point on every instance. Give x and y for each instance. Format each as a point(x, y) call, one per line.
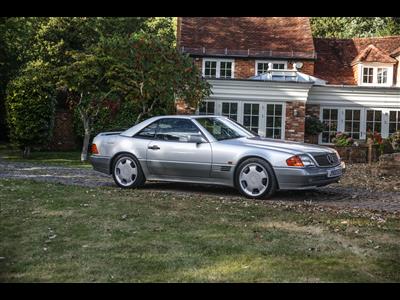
point(51, 232)
point(60, 158)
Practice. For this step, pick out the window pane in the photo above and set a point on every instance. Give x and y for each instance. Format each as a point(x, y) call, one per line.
point(255, 109)
point(325, 137)
point(148, 132)
point(210, 108)
point(247, 108)
point(356, 126)
point(349, 114)
point(234, 108)
point(392, 127)
point(378, 127)
point(325, 114)
point(225, 108)
point(278, 110)
point(370, 115)
point(277, 133)
point(270, 109)
point(278, 121)
point(176, 130)
point(347, 127)
point(356, 115)
point(270, 132)
point(246, 120)
point(392, 117)
point(378, 115)
point(254, 121)
point(270, 122)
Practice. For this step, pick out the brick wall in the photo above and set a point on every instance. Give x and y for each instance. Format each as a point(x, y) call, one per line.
point(307, 68)
point(64, 138)
point(244, 68)
point(295, 121)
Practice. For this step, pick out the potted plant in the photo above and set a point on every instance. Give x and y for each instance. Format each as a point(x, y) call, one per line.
point(313, 127)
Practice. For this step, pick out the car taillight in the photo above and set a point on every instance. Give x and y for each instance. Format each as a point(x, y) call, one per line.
point(294, 161)
point(94, 149)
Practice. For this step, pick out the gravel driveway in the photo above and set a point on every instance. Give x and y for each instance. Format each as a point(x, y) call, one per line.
point(339, 195)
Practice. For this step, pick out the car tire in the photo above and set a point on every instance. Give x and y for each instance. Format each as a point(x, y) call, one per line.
point(127, 172)
point(255, 179)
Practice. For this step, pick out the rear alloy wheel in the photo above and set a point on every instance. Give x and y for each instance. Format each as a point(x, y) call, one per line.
point(255, 179)
point(127, 172)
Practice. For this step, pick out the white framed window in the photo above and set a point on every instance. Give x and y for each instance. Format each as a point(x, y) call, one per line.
point(207, 108)
point(394, 121)
point(374, 120)
point(382, 75)
point(274, 121)
point(262, 66)
point(368, 75)
point(251, 116)
point(230, 110)
point(352, 123)
point(218, 68)
point(376, 74)
point(330, 118)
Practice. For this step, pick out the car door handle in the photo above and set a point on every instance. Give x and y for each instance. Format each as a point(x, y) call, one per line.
point(154, 147)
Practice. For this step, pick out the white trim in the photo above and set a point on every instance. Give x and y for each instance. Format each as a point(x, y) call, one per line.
point(218, 66)
point(269, 61)
point(375, 67)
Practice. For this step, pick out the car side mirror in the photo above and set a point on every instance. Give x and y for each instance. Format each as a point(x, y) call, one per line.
point(196, 138)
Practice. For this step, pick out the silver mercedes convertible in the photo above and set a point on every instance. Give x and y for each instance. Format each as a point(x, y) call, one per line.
point(212, 150)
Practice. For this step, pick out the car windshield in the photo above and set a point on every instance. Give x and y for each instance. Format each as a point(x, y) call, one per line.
point(222, 129)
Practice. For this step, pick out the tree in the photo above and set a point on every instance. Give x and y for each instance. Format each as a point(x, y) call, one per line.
point(152, 73)
point(30, 106)
point(351, 27)
point(85, 80)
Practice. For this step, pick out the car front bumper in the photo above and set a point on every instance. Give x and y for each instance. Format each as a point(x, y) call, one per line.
point(306, 178)
point(101, 163)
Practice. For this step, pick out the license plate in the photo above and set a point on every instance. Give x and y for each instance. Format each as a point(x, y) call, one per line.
point(335, 172)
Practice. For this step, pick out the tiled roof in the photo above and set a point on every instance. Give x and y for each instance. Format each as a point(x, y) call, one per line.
point(246, 34)
point(335, 56)
point(395, 52)
point(373, 54)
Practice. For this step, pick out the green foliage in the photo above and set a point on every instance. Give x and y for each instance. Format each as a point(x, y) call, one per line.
point(313, 126)
point(151, 73)
point(342, 139)
point(350, 27)
point(30, 105)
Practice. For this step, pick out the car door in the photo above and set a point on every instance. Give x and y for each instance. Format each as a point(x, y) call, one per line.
point(172, 153)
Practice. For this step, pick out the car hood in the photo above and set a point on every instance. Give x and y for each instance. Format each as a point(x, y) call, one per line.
point(279, 145)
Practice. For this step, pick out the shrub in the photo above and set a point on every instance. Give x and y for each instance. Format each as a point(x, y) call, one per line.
point(313, 126)
point(30, 106)
point(342, 139)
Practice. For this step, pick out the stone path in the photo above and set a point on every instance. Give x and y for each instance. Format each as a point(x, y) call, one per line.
point(335, 195)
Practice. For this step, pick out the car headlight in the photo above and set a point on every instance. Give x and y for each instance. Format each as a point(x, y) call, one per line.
point(300, 161)
point(307, 161)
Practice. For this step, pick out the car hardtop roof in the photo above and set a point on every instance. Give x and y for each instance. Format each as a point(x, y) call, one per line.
point(188, 116)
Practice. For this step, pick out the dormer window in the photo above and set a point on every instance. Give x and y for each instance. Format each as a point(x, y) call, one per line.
point(376, 74)
point(218, 68)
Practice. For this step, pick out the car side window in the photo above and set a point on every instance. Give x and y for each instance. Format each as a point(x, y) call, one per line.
point(148, 132)
point(177, 130)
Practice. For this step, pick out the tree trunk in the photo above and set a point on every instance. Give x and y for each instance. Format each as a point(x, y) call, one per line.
point(27, 152)
point(86, 139)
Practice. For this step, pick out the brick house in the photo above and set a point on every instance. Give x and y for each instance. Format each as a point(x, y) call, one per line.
point(268, 73)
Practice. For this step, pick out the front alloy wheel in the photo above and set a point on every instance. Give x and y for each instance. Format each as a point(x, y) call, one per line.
point(255, 179)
